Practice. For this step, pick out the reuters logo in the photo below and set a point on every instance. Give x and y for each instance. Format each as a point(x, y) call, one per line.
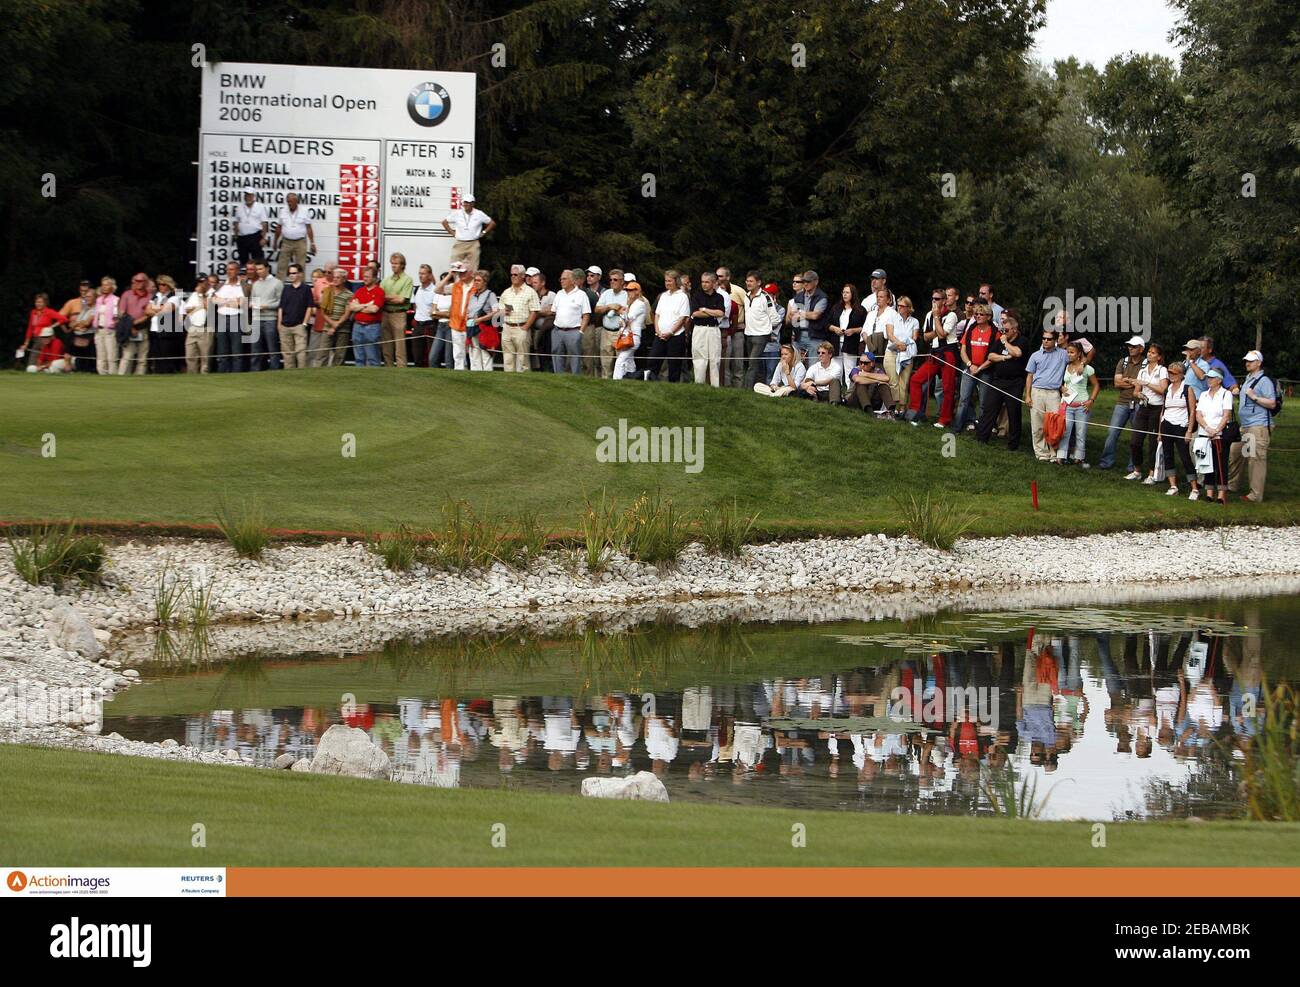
point(16, 880)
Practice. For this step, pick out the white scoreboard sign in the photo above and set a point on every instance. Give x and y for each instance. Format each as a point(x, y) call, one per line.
point(377, 157)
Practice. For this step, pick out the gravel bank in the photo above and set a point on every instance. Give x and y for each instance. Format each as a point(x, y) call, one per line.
point(83, 644)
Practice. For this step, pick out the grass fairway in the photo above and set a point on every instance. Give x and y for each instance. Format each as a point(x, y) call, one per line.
point(165, 448)
point(76, 809)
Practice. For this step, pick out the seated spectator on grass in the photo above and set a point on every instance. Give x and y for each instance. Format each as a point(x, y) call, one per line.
point(1177, 426)
point(822, 382)
point(53, 359)
point(787, 377)
point(40, 328)
point(869, 388)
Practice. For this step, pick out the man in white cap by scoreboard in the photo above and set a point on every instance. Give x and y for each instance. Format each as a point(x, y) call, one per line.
point(250, 225)
point(468, 225)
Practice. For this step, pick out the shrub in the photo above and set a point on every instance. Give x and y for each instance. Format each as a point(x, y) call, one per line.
point(55, 555)
point(464, 541)
point(244, 526)
point(654, 531)
point(601, 531)
point(399, 549)
point(724, 530)
point(933, 523)
point(167, 596)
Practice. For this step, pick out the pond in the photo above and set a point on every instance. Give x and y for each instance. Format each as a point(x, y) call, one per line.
point(1088, 711)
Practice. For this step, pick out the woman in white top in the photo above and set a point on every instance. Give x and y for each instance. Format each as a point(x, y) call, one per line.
point(1213, 413)
point(1177, 417)
point(901, 353)
point(1153, 379)
point(633, 319)
point(198, 334)
point(787, 377)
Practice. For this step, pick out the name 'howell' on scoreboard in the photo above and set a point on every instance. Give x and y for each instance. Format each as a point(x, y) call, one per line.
point(376, 157)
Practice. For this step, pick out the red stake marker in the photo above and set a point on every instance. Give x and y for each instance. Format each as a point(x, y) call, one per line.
point(1033, 492)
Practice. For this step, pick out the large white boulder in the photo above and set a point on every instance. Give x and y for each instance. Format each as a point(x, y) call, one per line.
point(345, 750)
point(69, 630)
point(642, 786)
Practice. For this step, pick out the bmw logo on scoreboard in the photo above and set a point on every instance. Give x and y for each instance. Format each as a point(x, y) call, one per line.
point(377, 158)
point(429, 104)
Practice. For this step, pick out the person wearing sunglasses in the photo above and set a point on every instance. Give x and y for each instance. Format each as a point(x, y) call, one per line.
point(1044, 375)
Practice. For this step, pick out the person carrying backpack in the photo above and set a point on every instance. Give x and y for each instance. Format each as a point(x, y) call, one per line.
point(1261, 400)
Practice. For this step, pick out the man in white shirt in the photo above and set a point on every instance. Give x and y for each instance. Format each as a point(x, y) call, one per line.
point(879, 279)
point(250, 224)
point(572, 313)
point(610, 307)
point(762, 326)
point(294, 238)
point(468, 225)
point(424, 328)
point(671, 316)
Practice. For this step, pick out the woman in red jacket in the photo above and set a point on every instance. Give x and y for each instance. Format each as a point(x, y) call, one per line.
point(40, 327)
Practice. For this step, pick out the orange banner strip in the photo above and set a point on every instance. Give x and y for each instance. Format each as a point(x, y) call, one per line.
point(842, 882)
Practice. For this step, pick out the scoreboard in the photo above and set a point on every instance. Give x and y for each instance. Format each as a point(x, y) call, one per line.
point(374, 156)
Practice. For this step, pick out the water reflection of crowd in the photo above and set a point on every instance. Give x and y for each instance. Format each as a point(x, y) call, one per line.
point(1186, 692)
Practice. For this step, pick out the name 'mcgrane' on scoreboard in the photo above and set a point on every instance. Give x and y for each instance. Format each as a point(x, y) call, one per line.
point(377, 158)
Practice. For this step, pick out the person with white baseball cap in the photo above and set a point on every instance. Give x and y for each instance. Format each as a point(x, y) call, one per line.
point(458, 282)
point(1213, 415)
point(468, 225)
point(1126, 400)
point(250, 224)
point(1259, 403)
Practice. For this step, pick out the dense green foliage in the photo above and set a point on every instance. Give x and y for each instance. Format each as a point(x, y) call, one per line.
point(778, 137)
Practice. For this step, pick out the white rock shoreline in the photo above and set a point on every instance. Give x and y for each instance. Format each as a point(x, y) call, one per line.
point(295, 599)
